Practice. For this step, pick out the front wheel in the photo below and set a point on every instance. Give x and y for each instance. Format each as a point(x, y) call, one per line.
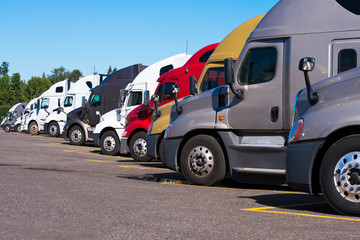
point(54, 129)
point(110, 144)
point(138, 147)
point(7, 128)
point(18, 128)
point(33, 128)
point(202, 161)
point(340, 175)
point(76, 136)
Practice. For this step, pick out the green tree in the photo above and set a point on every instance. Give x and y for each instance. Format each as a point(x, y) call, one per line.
point(109, 70)
point(15, 87)
point(58, 74)
point(5, 93)
point(75, 74)
point(36, 86)
point(4, 68)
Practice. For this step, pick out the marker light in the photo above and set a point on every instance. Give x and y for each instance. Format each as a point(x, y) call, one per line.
point(167, 131)
point(296, 130)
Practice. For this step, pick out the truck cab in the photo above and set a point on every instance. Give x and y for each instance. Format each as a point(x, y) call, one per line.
point(46, 103)
point(108, 132)
point(14, 113)
point(241, 129)
point(55, 122)
point(324, 142)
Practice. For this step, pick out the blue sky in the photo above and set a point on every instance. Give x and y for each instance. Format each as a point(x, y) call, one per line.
point(40, 35)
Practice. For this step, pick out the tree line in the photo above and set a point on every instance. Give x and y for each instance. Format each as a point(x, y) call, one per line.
point(14, 90)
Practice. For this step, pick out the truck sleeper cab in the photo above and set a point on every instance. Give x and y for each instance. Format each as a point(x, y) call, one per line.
point(242, 130)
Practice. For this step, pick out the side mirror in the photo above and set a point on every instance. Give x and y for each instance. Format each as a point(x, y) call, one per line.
point(193, 86)
point(175, 91)
point(83, 102)
point(307, 64)
point(122, 97)
point(229, 71)
point(147, 98)
point(38, 103)
point(58, 102)
point(155, 99)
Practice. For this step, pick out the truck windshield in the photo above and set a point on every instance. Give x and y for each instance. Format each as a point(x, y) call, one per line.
point(95, 101)
point(135, 98)
point(68, 101)
point(214, 77)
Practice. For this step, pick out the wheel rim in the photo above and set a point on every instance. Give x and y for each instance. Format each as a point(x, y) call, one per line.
point(18, 128)
point(53, 130)
point(140, 149)
point(33, 128)
point(109, 143)
point(201, 161)
point(7, 129)
point(76, 135)
point(347, 176)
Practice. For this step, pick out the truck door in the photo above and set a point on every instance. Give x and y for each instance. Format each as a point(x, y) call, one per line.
point(259, 76)
point(345, 55)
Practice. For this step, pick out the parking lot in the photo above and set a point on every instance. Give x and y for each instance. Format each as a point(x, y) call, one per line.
point(53, 190)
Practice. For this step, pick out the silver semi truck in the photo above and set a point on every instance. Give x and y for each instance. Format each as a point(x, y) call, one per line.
point(241, 129)
point(323, 155)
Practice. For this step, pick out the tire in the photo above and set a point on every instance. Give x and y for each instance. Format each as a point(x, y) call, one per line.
point(110, 144)
point(77, 136)
point(7, 128)
point(33, 128)
point(17, 128)
point(54, 129)
point(340, 175)
point(202, 161)
point(137, 146)
point(160, 153)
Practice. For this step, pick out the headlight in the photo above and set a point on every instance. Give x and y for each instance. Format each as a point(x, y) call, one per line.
point(296, 130)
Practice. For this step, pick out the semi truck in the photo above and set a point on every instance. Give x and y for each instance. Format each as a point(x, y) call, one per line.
point(108, 132)
point(46, 103)
point(323, 155)
point(13, 114)
point(80, 122)
point(138, 121)
point(55, 122)
point(211, 76)
point(241, 129)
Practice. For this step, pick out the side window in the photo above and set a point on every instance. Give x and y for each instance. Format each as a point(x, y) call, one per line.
point(259, 66)
point(166, 69)
point(45, 103)
point(59, 89)
point(160, 92)
point(168, 91)
point(95, 101)
point(135, 98)
point(205, 56)
point(68, 101)
point(347, 59)
point(213, 78)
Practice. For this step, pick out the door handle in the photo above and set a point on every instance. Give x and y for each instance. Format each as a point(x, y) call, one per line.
point(274, 114)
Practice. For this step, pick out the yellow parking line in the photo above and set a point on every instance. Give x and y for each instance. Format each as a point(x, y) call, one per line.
point(94, 154)
point(264, 209)
point(247, 189)
point(91, 160)
point(141, 167)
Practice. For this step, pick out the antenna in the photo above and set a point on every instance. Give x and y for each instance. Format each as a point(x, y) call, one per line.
point(186, 49)
point(94, 70)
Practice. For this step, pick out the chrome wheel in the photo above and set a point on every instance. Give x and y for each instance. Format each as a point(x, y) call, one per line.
point(53, 130)
point(347, 176)
point(201, 161)
point(76, 136)
point(109, 143)
point(140, 149)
